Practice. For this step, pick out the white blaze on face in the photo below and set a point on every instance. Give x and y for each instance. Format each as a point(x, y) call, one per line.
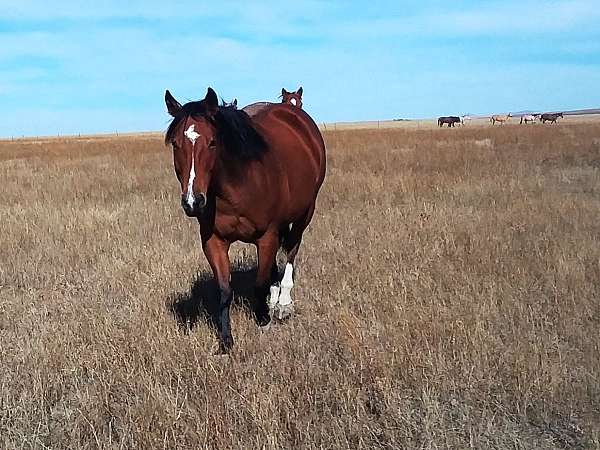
point(192, 136)
point(190, 188)
point(293, 101)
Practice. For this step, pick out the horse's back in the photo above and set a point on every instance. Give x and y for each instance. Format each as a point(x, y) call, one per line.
point(297, 153)
point(255, 108)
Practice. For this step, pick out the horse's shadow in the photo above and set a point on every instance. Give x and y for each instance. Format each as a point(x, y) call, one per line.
point(201, 302)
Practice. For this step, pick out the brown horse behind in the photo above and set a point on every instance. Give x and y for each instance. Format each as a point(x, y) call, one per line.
point(289, 98)
point(292, 98)
point(246, 179)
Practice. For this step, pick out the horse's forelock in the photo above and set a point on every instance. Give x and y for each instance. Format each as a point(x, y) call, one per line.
point(190, 109)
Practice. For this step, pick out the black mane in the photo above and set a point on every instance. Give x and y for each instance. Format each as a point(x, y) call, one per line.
point(238, 134)
point(235, 129)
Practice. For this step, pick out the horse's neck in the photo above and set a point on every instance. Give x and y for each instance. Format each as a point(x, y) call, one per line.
point(225, 178)
point(230, 179)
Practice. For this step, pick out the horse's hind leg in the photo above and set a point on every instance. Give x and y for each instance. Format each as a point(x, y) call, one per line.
point(291, 244)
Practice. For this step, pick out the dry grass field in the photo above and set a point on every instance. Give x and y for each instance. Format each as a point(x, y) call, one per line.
point(447, 296)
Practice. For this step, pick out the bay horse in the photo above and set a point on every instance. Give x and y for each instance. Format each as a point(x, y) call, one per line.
point(550, 117)
point(292, 98)
point(501, 119)
point(528, 118)
point(246, 179)
point(450, 120)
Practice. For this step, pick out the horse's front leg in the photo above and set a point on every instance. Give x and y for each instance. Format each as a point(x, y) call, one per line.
point(267, 251)
point(217, 254)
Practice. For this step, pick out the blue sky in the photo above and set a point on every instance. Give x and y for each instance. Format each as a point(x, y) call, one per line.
point(70, 67)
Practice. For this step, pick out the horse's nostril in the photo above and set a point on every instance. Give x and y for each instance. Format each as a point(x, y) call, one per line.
point(200, 201)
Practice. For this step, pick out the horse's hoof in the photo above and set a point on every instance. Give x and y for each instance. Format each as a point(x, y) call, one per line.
point(283, 312)
point(264, 328)
point(262, 318)
point(225, 345)
point(221, 351)
point(218, 350)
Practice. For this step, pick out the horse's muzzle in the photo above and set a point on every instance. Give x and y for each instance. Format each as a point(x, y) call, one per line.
point(196, 208)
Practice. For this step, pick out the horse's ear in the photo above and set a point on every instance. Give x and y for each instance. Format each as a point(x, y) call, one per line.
point(173, 106)
point(212, 102)
point(234, 102)
point(283, 91)
point(299, 91)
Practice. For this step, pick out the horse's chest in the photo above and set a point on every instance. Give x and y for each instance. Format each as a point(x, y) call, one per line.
point(235, 228)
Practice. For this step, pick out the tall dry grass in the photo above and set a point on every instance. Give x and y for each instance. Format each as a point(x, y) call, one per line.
point(447, 297)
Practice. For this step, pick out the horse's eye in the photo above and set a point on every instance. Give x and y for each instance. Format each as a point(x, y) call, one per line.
point(212, 143)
